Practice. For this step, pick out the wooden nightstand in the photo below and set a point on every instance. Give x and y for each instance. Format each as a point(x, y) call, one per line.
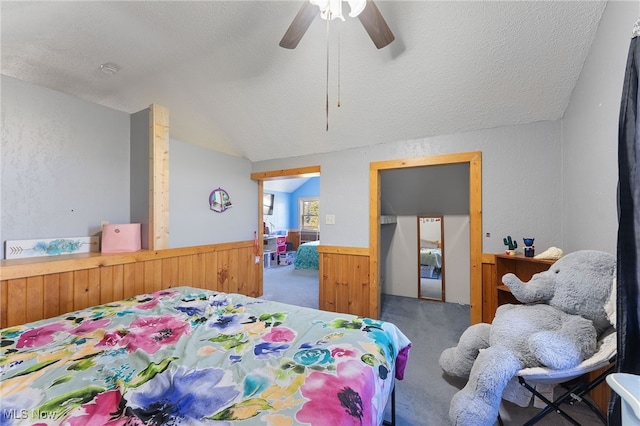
point(523, 267)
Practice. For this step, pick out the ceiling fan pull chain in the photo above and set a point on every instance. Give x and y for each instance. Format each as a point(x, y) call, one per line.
point(339, 38)
point(327, 85)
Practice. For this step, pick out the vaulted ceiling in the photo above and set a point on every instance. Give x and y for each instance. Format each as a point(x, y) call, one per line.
point(455, 66)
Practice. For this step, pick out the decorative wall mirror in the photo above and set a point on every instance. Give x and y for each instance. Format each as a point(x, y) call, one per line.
point(431, 258)
point(219, 200)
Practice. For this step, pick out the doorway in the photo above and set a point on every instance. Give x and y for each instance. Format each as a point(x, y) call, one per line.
point(474, 161)
point(276, 175)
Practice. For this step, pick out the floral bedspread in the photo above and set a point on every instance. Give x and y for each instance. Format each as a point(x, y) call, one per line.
point(192, 356)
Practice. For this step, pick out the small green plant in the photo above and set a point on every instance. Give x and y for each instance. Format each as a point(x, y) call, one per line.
point(510, 243)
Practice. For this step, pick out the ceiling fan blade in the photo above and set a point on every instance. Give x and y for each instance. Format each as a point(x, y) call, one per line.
point(375, 25)
point(299, 25)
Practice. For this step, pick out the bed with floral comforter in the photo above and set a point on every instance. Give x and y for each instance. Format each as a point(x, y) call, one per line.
point(193, 356)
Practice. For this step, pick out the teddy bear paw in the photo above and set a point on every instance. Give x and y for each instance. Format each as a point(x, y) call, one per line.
point(455, 365)
point(468, 409)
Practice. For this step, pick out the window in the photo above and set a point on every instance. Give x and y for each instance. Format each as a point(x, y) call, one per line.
point(267, 204)
point(309, 209)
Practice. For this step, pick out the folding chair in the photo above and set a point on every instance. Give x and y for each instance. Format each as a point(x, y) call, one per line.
point(576, 390)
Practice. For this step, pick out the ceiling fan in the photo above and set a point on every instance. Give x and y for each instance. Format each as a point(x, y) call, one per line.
point(365, 10)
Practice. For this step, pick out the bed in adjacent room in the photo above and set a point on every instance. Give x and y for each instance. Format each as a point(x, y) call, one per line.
point(307, 256)
point(195, 356)
point(430, 262)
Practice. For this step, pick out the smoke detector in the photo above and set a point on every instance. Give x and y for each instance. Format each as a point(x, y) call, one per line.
point(109, 68)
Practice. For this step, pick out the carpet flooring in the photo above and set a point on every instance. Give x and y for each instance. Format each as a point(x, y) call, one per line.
point(422, 398)
point(289, 285)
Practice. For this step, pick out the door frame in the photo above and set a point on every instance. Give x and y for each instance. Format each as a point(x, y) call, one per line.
point(261, 177)
point(474, 159)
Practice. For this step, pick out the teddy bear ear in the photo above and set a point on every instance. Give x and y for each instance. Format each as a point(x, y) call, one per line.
point(610, 304)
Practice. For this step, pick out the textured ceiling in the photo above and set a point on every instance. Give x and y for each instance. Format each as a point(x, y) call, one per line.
point(455, 66)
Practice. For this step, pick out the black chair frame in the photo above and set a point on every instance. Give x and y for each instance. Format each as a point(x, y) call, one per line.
point(575, 393)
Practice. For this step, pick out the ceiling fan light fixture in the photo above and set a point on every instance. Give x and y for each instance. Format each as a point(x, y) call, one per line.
point(332, 9)
point(356, 6)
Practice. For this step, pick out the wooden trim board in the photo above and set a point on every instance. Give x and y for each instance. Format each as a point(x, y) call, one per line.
point(474, 159)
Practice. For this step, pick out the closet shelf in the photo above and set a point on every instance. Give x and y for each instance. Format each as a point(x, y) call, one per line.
point(387, 219)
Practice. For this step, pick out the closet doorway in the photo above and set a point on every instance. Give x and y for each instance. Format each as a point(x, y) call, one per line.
point(261, 178)
point(473, 160)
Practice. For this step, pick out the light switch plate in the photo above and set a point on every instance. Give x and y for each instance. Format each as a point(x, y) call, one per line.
point(330, 219)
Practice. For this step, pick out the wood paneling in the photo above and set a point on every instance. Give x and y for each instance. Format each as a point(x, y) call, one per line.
point(489, 301)
point(35, 293)
point(601, 393)
point(17, 312)
point(344, 281)
point(286, 173)
point(46, 287)
point(66, 293)
point(475, 234)
point(158, 177)
point(494, 266)
point(51, 295)
point(293, 237)
point(4, 286)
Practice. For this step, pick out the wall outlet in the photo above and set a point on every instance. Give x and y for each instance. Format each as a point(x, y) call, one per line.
point(330, 219)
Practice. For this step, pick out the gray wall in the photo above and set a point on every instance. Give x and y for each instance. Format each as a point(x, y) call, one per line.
point(193, 173)
point(139, 166)
point(521, 170)
point(65, 169)
point(590, 135)
point(65, 164)
point(401, 259)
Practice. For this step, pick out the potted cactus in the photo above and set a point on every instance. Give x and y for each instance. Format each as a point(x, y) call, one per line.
point(511, 244)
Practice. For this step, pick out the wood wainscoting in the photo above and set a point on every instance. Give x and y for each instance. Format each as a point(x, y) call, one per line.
point(489, 298)
point(37, 288)
point(344, 281)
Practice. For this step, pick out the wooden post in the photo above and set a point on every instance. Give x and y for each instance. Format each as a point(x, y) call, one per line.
point(158, 178)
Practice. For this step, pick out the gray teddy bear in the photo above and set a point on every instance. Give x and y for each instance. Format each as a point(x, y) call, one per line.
point(565, 310)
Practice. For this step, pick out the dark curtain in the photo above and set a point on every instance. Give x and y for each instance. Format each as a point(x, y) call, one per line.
point(628, 280)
